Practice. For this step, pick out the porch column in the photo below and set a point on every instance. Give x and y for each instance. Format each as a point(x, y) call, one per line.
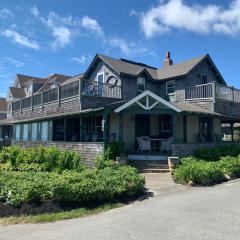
point(65, 129)
point(232, 130)
point(120, 127)
point(105, 118)
point(81, 129)
point(174, 126)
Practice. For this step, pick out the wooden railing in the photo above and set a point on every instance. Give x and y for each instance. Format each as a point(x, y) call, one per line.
point(204, 91)
point(70, 90)
point(92, 88)
point(213, 91)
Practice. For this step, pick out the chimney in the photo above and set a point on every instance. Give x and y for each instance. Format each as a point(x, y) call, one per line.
point(167, 61)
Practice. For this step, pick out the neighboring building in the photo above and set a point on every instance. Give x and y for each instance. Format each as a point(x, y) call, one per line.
point(182, 104)
point(5, 129)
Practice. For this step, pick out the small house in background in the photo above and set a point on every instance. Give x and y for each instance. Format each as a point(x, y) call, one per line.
point(156, 112)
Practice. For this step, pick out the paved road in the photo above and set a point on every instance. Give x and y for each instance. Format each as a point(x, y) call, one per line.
point(177, 213)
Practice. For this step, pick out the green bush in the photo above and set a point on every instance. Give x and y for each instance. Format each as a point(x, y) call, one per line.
point(215, 153)
point(40, 159)
point(230, 166)
point(200, 172)
point(113, 150)
point(101, 162)
point(89, 185)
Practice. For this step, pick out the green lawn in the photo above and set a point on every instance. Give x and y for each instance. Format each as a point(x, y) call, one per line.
point(51, 217)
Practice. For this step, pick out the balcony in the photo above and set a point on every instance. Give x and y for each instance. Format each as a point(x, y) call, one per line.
point(68, 91)
point(212, 92)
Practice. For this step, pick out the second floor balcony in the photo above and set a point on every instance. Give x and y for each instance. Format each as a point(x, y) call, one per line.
point(212, 92)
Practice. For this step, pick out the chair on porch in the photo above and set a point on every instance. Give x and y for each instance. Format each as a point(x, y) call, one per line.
point(166, 145)
point(144, 144)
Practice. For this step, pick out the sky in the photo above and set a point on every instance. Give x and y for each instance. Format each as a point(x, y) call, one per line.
point(42, 37)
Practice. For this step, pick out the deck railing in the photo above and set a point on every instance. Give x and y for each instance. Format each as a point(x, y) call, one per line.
point(213, 91)
point(204, 91)
point(92, 88)
point(70, 90)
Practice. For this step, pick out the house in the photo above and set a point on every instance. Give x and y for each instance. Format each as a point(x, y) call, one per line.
point(180, 105)
point(5, 129)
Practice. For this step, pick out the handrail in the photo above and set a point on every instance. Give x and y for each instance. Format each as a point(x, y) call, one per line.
point(204, 91)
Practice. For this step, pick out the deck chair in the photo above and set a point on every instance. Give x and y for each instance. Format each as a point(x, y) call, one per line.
point(144, 144)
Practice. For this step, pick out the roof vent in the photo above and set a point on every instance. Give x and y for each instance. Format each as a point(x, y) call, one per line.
point(167, 61)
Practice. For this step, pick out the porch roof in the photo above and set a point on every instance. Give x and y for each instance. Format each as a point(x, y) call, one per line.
point(177, 107)
point(146, 96)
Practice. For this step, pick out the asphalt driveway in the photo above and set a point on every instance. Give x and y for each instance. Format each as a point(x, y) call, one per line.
point(174, 212)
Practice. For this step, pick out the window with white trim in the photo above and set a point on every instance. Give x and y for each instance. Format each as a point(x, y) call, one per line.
point(170, 87)
point(25, 132)
point(34, 131)
point(17, 132)
point(44, 133)
point(141, 84)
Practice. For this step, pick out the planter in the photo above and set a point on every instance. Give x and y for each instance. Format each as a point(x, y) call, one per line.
point(173, 162)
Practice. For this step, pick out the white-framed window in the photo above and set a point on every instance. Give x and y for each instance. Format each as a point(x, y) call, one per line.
point(141, 84)
point(44, 134)
point(166, 123)
point(170, 87)
point(100, 77)
point(204, 78)
point(25, 132)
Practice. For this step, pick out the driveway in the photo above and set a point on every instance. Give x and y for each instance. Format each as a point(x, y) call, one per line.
point(176, 213)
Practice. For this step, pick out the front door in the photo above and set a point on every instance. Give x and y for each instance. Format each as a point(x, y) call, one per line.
point(142, 125)
point(205, 129)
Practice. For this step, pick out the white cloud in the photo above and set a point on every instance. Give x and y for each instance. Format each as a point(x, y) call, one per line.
point(6, 14)
point(34, 10)
point(92, 25)
point(11, 61)
point(82, 60)
point(20, 39)
point(129, 49)
point(204, 19)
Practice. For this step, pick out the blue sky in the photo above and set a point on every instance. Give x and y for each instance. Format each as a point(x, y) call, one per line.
point(38, 38)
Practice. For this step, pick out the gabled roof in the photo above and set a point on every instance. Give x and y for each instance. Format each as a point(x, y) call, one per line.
point(35, 80)
point(17, 92)
point(3, 105)
point(147, 93)
point(179, 69)
point(59, 78)
point(123, 66)
point(23, 78)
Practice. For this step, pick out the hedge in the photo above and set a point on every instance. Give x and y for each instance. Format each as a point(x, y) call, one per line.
point(215, 153)
point(89, 185)
point(207, 173)
point(40, 159)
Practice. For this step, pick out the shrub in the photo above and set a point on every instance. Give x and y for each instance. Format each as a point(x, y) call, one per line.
point(230, 166)
point(200, 172)
point(101, 162)
point(70, 186)
point(215, 153)
point(113, 150)
point(41, 159)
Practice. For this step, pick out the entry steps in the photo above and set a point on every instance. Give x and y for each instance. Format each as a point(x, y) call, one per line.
point(150, 166)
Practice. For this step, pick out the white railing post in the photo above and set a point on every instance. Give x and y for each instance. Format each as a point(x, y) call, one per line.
point(213, 92)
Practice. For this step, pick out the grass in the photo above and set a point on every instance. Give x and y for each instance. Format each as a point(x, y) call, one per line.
point(52, 217)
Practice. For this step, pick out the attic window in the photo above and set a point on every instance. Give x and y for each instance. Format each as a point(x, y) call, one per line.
point(170, 87)
point(204, 78)
point(141, 84)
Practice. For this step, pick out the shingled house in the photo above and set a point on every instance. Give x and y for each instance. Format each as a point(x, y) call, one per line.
point(169, 111)
point(5, 129)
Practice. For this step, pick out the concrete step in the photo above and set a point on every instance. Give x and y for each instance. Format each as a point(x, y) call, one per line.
point(155, 170)
point(155, 165)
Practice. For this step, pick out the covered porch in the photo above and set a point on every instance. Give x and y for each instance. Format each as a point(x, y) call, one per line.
point(153, 128)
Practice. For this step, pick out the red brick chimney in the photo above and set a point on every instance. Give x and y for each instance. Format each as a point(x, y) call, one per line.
point(167, 61)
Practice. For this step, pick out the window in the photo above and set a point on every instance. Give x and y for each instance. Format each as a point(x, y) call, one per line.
point(44, 136)
point(170, 87)
point(34, 132)
point(25, 132)
point(204, 79)
point(141, 84)
point(17, 132)
point(166, 123)
point(100, 78)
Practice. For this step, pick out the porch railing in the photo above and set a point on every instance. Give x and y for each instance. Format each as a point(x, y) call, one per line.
point(93, 88)
point(70, 90)
point(213, 91)
point(204, 91)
